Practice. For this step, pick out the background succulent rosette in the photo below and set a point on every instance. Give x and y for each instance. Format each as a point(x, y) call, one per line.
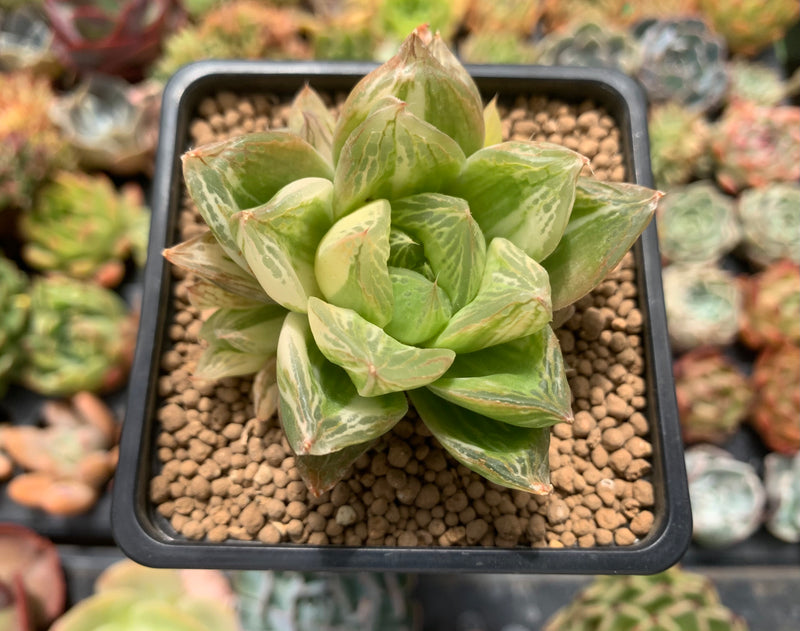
point(401, 254)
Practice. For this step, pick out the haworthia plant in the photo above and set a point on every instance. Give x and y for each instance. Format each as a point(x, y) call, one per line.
point(402, 253)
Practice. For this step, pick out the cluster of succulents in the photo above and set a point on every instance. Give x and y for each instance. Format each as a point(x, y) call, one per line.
point(78, 208)
point(674, 599)
point(424, 279)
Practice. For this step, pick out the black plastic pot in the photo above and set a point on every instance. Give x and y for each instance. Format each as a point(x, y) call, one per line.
point(146, 537)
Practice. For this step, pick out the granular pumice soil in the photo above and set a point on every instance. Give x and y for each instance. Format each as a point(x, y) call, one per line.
point(225, 475)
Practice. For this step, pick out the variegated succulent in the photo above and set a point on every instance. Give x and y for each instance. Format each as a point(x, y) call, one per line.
point(389, 256)
point(697, 224)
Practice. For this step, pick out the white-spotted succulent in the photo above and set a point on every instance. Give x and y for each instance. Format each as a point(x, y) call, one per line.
point(389, 256)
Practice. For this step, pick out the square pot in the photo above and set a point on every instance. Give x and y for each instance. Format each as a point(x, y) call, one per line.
point(148, 538)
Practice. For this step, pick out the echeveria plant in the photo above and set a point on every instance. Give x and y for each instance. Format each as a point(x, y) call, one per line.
point(390, 257)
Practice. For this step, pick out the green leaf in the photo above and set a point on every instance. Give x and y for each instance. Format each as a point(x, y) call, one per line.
point(280, 238)
point(404, 251)
point(226, 177)
point(393, 154)
point(514, 457)
point(203, 294)
point(265, 390)
point(451, 239)
point(351, 263)
point(204, 256)
point(522, 191)
point(220, 360)
point(321, 473)
point(252, 331)
point(421, 307)
point(320, 410)
point(375, 361)
point(513, 301)
point(606, 220)
point(521, 382)
point(436, 87)
point(310, 119)
point(494, 126)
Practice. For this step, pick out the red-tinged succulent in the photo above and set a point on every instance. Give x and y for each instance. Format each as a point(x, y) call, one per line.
point(32, 588)
point(714, 396)
point(776, 380)
point(118, 38)
point(771, 313)
point(754, 145)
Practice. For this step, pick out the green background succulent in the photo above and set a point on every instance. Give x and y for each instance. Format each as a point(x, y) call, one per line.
point(80, 337)
point(770, 223)
point(591, 45)
point(14, 305)
point(679, 142)
point(89, 206)
point(396, 255)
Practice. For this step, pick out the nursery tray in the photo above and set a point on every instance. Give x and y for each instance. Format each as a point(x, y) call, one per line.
point(146, 537)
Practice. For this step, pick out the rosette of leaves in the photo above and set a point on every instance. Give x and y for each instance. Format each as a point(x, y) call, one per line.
point(674, 599)
point(703, 305)
point(396, 258)
point(776, 381)
point(111, 226)
point(771, 312)
point(295, 601)
point(242, 29)
point(770, 223)
point(110, 124)
point(682, 61)
point(590, 45)
point(679, 143)
point(116, 38)
point(26, 43)
point(697, 224)
point(750, 25)
point(782, 482)
point(754, 146)
point(488, 47)
point(759, 83)
point(80, 337)
point(14, 304)
point(726, 495)
point(130, 597)
point(713, 395)
point(32, 146)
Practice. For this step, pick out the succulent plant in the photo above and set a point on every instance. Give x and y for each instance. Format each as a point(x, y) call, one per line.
point(590, 45)
point(32, 147)
point(397, 18)
point(713, 394)
point(776, 381)
point(679, 143)
point(130, 597)
point(674, 599)
point(241, 29)
point(489, 47)
point(110, 124)
point(116, 38)
point(727, 497)
point(755, 146)
point(750, 25)
point(31, 575)
point(502, 16)
point(759, 83)
point(771, 313)
point(293, 601)
point(400, 265)
point(14, 305)
point(782, 482)
point(697, 224)
point(80, 337)
point(68, 460)
point(703, 306)
point(682, 61)
point(770, 223)
point(344, 30)
point(106, 220)
point(26, 43)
